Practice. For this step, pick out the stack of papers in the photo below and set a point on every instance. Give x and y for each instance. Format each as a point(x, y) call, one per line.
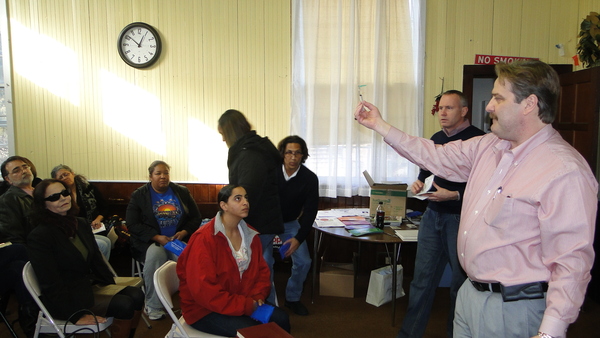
point(407, 235)
point(334, 217)
point(328, 222)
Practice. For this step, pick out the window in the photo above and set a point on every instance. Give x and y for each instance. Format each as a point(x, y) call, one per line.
point(3, 120)
point(338, 45)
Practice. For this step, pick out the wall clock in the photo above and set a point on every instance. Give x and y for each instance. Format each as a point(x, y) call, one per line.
point(139, 45)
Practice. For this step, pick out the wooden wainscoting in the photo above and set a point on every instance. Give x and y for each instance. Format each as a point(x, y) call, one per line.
point(118, 194)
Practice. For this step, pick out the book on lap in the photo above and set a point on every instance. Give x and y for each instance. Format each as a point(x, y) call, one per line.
point(268, 330)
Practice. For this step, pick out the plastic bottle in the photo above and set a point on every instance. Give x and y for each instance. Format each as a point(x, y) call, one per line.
point(380, 216)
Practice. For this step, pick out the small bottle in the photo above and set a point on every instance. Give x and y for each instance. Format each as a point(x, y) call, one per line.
point(380, 216)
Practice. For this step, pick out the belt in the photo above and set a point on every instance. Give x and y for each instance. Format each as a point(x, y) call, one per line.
point(495, 287)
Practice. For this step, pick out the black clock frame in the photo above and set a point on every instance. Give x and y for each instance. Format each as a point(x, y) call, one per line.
point(158, 44)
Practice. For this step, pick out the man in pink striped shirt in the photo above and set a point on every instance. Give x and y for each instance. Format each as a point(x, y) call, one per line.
point(527, 226)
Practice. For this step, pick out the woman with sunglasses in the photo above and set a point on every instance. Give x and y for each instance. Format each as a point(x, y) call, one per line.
point(223, 276)
point(71, 271)
point(88, 199)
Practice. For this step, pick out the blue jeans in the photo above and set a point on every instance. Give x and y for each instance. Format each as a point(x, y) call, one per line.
point(301, 263)
point(267, 245)
point(156, 256)
point(104, 244)
point(435, 248)
point(224, 325)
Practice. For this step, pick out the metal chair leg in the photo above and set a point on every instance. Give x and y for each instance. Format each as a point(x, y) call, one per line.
point(10, 328)
point(146, 320)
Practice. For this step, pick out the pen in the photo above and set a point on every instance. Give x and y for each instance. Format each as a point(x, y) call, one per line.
point(499, 191)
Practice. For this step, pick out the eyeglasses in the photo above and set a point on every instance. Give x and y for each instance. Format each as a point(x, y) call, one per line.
point(20, 169)
point(290, 153)
point(56, 197)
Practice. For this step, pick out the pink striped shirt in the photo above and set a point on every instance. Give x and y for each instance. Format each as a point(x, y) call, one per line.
point(528, 213)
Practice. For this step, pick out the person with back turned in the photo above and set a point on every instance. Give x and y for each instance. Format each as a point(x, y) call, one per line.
point(253, 162)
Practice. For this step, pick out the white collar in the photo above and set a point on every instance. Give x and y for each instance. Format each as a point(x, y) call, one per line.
point(285, 175)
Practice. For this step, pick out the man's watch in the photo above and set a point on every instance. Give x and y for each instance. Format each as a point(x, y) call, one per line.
point(544, 335)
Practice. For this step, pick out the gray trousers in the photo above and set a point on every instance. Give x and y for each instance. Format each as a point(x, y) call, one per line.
point(485, 314)
point(156, 255)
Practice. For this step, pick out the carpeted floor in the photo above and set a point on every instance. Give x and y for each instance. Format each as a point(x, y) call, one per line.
point(342, 317)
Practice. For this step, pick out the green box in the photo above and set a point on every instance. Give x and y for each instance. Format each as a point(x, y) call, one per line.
point(393, 196)
point(394, 203)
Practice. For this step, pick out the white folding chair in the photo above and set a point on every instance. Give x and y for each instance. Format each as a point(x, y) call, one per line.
point(166, 284)
point(137, 282)
point(45, 322)
point(136, 268)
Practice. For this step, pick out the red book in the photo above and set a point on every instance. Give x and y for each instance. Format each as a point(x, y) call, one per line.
point(268, 330)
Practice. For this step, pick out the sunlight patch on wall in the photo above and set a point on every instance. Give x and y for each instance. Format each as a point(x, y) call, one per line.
point(133, 112)
point(208, 153)
point(45, 62)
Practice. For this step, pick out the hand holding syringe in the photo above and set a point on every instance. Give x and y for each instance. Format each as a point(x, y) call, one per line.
point(359, 93)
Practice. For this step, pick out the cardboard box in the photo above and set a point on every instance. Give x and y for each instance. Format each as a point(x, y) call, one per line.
point(393, 196)
point(336, 280)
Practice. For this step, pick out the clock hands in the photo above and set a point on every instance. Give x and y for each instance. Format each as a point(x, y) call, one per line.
point(140, 44)
point(137, 43)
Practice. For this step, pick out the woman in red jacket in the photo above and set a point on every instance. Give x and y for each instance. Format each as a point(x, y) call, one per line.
point(223, 275)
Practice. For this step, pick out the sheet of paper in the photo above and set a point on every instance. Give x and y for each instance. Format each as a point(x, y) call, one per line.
point(407, 235)
point(351, 218)
point(426, 187)
point(328, 222)
point(363, 212)
point(100, 229)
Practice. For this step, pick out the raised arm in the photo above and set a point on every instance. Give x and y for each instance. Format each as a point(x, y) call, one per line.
point(369, 116)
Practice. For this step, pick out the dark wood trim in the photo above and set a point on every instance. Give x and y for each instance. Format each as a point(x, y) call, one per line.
point(471, 72)
point(118, 195)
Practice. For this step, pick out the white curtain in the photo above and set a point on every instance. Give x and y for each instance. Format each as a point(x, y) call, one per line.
point(337, 46)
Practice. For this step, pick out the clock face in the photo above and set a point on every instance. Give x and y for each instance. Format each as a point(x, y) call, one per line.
point(139, 45)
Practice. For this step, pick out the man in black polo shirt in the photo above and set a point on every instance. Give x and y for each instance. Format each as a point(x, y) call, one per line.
point(439, 226)
point(299, 197)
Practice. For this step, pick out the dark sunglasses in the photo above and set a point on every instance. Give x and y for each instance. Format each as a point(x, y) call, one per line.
point(56, 197)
